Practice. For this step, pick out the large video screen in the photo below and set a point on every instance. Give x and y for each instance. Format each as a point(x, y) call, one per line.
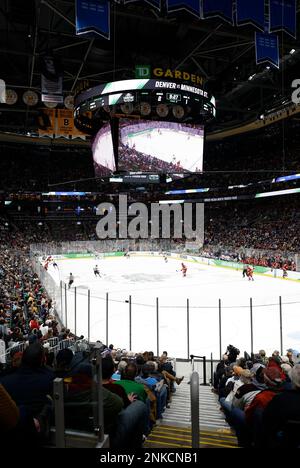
point(151, 146)
point(103, 153)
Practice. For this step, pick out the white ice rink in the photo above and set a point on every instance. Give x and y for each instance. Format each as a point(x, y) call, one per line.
point(146, 278)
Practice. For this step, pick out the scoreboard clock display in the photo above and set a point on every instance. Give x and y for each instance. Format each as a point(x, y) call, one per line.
point(172, 97)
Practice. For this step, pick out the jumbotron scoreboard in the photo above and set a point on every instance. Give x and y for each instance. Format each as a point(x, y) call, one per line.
point(150, 99)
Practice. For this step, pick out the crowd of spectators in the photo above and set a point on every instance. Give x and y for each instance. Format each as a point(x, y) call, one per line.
point(31, 168)
point(274, 148)
point(271, 229)
point(237, 160)
point(267, 236)
point(260, 397)
point(136, 390)
point(134, 160)
point(137, 387)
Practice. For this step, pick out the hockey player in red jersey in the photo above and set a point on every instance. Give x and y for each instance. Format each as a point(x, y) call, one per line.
point(48, 260)
point(183, 269)
point(284, 269)
point(250, 271)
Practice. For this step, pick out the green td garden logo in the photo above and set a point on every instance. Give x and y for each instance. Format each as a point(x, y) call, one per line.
point(143, 71)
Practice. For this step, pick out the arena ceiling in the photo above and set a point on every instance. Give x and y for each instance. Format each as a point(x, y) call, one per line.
point(222, 54)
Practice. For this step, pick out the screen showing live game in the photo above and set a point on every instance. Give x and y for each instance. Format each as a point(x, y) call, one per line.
point(151, 146)
point(103, 153)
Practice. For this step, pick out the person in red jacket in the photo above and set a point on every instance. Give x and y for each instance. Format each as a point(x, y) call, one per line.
point(275, 363)
point(274, 385)
point(34, 324)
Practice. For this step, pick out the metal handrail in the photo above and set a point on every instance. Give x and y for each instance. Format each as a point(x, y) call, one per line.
point(195, 403)
point(192, 356)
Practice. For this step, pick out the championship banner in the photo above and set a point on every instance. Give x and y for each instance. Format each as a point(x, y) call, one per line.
point(267, 48)
point(64, 123)
point(252, 12)
point(154, 3)
point(221, 8)
point(192, 6)
point(283, 16)
point(47, 123)
point(51, 79)
point(93, 17)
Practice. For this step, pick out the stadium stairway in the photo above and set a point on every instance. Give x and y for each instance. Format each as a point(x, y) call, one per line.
point(174, 430)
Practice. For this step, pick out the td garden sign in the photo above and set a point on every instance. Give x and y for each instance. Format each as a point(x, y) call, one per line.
point(144, 71)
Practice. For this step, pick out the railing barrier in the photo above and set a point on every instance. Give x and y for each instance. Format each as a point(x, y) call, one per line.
point(194, 388)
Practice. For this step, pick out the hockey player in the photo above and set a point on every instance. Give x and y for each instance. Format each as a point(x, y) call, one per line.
point(183, 269)
point(245, 270)
point(250, 271)
point(54, 264)
point(166, 259)
point(285, 273)
point(71, 280)
point(127, 255)
point(96, 271)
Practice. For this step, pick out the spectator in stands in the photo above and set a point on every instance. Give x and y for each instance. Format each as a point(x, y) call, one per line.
point(64, 358)
point(30, 386)
point(286, 365)
point(262, 355)
point(108, 369)
point(127, 381)
point(275, 362)
point(156, 384)
point(281, 418)
point(9, 413)
point(254, 412)
point(290, 357)
point(220, 371)
point(132, 421)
